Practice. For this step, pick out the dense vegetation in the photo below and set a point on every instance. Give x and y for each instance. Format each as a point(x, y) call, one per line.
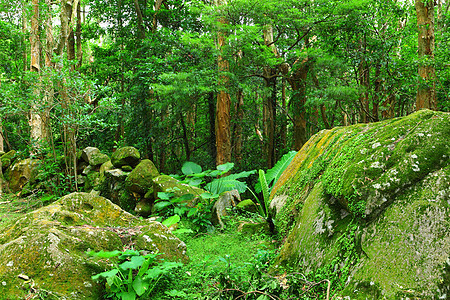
point(146, 74)
point(218, 83)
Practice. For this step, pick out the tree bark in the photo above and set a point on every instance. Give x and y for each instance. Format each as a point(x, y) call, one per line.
point(297, 80)
point(237, 136)
point(270, 101)
point(223, 105)
point(78, 37)
point(35, 120)
point(426, 95)
point(140, 19)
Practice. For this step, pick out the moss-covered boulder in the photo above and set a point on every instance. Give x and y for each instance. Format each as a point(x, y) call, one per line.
point(93, 156)
point(125, 156)
point(368, 207)
point(165, 183)
point(7, 159)
point(113, 188)
point(48, 246)
point(140, 178)
point(21, 173)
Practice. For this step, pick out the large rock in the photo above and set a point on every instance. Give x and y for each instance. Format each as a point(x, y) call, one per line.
point(368, 207)
point(113, 188)
point(125, 156)
point(93, 156)
point(140, 178)
point(48, 246)
point(22, 172)
point(165, 183)
point(7, 159)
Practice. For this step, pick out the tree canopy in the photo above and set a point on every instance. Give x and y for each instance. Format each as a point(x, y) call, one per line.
point(243, 80)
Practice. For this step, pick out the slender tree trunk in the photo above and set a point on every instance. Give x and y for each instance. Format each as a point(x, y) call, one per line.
point(363, 73)
point(269, 115)
point(78, 37)
point(35, 120)
point(140, 23)
point(298, 84)
point(283, 128)
point(270, 103)
point(237, 136)
point(48, 89)
point(157, 7)
point(185, 137)
point(426, 94)
point(24, 30)
point(212, 124)
point(223, 118)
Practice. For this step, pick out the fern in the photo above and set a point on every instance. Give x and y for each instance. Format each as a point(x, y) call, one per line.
point(273, 174)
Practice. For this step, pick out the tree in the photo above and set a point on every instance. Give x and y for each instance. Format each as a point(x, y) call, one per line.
point(426, 91)
point(223, 117)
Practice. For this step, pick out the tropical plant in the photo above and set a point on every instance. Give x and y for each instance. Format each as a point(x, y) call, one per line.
point(270, 178)
point(135, 276)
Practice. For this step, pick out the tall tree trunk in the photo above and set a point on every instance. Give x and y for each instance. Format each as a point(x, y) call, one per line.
point(140, 18)
point(223, 118)
point(237, 136)
point(78, 37)
point(283, 127)
point(35, 120)
point(157, 7)
point(363, 74)
point(298, 84)
point(212, 124)
point(24, 30)
point(187, 148)
point(269, 115)
point(426, 94)
point(48, 89)
point(270, 103)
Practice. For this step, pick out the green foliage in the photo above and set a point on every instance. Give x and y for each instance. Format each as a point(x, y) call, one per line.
point(274, 173)
point(134, 276)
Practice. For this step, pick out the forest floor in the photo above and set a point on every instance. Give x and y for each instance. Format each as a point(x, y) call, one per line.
point(220, 254)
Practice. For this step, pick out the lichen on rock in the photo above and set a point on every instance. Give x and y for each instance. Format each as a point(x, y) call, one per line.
point(382, 189)
point(48, 245)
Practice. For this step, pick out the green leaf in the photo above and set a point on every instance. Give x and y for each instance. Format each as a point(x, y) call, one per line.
point(265, 191)
point(165, 195)
point(129, 253)
point(106, 274)
point(274, 173)
point(209, 196)
point(195, 181)
point(140, 285)
point(226, 167)
point(134, 263)
point(104, 254)
point(189, 168)
point(171, 220)
point(187, 197)
point(192, 212)
point(161, 205)
point(183, 230)
point(127, 295)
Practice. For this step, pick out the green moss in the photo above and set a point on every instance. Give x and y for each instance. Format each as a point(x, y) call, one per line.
point(392, 177)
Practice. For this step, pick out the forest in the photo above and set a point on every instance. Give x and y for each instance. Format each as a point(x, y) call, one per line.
point(213, 82)
point(231, 86)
